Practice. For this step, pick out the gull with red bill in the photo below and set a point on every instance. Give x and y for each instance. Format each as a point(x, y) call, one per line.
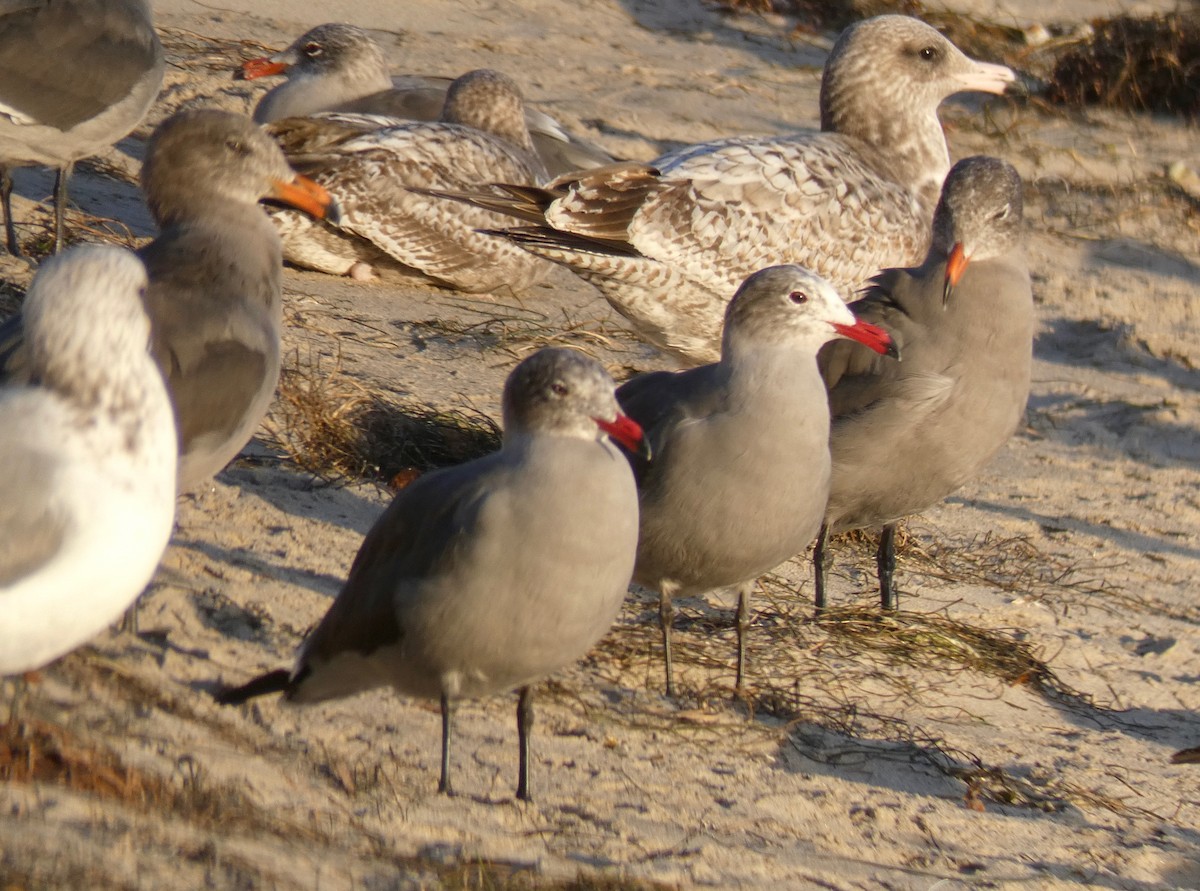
point(906, 435)
point(741, 447)
point(488, 576)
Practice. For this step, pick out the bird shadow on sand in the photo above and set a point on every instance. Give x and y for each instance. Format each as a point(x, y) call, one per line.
point(1127, 539)
point(1112, 347)
point(687, 22)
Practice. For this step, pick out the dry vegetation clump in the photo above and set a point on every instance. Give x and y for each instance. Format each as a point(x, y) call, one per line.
point(856, 683)
point(1140, 64)
point(340, 429)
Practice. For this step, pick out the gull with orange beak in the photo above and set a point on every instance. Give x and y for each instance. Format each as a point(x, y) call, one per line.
point(741, 447)
point(905, 435)
point(216, 270)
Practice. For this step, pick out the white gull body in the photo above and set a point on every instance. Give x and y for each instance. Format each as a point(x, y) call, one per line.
point(75, 77)
point(379, 176)
point(87, 499)
point(338, 67)
point(666, 242)
point(488, 576)
point(740, 472)
point(905, 435)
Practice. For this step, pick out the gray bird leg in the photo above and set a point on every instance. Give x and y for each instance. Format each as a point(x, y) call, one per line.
point(819, 568)
point(743, 628)
point(524, 726)
point(885, 563)
point(60, 204)
point(448, 709)
point(666, 615)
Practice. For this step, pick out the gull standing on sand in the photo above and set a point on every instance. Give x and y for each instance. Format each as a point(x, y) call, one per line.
point(488, 576)
point(741, 448)
point(216, 271)
point(87, 499)
point(379, 175)
point(75, 77)
point(905, 435)
point(666, 242)
point(336, 67)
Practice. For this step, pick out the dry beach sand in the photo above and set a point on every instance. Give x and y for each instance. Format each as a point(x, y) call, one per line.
point(1010, 727)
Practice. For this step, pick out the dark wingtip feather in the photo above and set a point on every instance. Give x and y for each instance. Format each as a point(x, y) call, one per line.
point(277, 681)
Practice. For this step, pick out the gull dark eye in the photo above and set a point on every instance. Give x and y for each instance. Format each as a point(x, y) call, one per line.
point(798, 297)
point(1001, 214)
point(236, 146)
point(928, 53)
point(312, 50)
point(559, 389)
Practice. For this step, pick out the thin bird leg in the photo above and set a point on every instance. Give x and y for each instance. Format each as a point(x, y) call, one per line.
point(743, 628)
point(10, 229)
point(885, 563)
point(666, 615)
point(448, 709)
point(819, 569)
point(524, 726)
point(60, 203)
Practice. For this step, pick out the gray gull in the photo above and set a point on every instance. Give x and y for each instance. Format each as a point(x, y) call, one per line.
point(488, 576)
point(741, 448)
point(75, 76)
point(905, 435)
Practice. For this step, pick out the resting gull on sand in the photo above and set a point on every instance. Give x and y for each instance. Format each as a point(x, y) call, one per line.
point(488, 576)
point(87, 499)
point(75, 76)
point(336, 67)
point(907, 434)
point(741, 448)
point(380, 176)
point(666, 242)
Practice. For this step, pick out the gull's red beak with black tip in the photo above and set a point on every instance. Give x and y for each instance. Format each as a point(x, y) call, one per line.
point(263, 67)
point(956, 264)
point(628, 433)
point(871, 336)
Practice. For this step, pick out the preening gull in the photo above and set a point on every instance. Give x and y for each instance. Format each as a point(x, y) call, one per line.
point(905, 435)
point(488, 576)
point(87, 499)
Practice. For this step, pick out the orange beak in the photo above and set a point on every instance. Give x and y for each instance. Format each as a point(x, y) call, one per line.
point(304, 194)
point(263, 67)
point(956, 265)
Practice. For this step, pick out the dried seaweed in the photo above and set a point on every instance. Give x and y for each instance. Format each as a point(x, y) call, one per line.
point(340, 429)
point(1136, 63)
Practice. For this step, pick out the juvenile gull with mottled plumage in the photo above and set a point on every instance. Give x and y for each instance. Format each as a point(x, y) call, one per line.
point(337, 67)
point(379, 176)
point(666, 242)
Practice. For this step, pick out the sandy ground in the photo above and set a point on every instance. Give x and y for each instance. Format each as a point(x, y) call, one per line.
point(1012, 726)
